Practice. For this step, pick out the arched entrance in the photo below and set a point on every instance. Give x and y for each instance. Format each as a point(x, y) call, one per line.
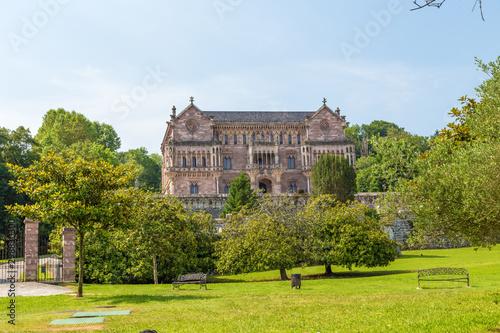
point(265, 186)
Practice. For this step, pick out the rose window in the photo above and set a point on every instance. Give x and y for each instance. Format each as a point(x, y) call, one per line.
point(192, 125)
point(324, 125)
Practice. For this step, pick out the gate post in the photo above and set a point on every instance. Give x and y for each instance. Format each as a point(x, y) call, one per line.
point(69, 246)
point(30, 250)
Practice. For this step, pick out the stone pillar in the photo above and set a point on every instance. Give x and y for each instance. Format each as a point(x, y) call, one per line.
point(69, 257)
point(30, 250)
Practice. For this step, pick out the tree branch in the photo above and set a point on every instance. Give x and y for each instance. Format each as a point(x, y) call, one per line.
point(436, 3)
point(433, 3)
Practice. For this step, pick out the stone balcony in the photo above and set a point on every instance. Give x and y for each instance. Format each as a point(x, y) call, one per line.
point(194, 169)
point(264, 166)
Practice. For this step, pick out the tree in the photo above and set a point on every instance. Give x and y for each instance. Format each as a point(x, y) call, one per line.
point(64, 131)
point(393, 159)
point(82, 194)
point(439, 3)
point(16, 147)
point(283, 232)
point(362, 134)
point(269, 236)
point(148, 168)
point(346, 235)
point(164, 230)
point(240, 195)
point(456, 195)
point(333, 175)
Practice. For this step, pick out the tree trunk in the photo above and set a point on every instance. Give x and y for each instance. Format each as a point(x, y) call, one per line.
point(283, 274)
point(328, 269)
point(80, 267)
point(155, 268)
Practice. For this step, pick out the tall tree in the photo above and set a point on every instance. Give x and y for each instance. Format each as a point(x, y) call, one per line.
point(148, 168)
point(82, 194)
point(240, 195)
point(16, 147)
point(270, 236)
point(457, 192)
point(361, 135)
point(334, 175)
point(393, 159)
point(64, 131)
point(346, 235)
point(163, 229)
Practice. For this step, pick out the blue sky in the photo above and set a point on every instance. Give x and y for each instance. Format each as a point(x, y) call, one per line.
point(127, 62)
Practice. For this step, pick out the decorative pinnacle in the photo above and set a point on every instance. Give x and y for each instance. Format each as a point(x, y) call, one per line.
point(324, 101)
point(191, 99)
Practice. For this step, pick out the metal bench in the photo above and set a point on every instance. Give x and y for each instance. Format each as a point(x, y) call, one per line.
point(196, 278)
point(443, 274)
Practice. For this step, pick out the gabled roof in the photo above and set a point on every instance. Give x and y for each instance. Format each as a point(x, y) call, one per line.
point(257, 116)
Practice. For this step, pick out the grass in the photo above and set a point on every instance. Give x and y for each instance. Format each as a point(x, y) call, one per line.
point(363, 300)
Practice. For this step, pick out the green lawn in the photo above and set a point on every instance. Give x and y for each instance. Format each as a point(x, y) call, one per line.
point(364, 300)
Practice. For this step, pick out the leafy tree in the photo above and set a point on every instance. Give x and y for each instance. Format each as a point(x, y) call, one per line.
point(393, 160)
point(240, 195)
point(269, 236)
point(456, 195)
point(71, 132)
point(283, 232)
point(82, 194)
point(148, 168)
point(333, 175)
point(164, 230)
point(347, 235)
point(362, 134)
point(16, 148)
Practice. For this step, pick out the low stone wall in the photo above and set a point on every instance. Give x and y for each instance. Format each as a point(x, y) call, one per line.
point(399, 230)
point(214, 203)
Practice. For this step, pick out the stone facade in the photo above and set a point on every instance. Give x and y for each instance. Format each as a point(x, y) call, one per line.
point(204, 150)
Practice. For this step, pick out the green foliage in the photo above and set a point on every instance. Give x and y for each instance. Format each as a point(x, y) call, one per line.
point(147, 167)
point(15, 148)
point(282, 232)
point(457, 193)
point(79, 193)
point(362, 134)
point(63, 131)
point(240, 195)
point(269, 236)
point(333, 175)
point(160, 241)
point(393, 159)
point(347, 235)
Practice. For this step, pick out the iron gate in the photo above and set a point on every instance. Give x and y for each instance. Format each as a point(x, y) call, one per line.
point(12, 254)
point(49, 263)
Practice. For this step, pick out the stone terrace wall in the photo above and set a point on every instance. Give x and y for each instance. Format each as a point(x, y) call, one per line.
point(213, 204)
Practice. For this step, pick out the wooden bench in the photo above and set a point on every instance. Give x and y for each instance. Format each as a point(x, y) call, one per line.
point(196, 278)
point(443, 274)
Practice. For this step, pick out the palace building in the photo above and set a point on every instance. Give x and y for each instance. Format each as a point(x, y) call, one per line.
point(204, 150)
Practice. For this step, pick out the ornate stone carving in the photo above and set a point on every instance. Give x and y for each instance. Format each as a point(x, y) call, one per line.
point(192, 125)
point(324, 125)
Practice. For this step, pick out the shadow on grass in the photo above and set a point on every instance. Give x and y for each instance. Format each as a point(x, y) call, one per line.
point(339, 275)
point(143, 299)
point(355, 274)
point(414, 256)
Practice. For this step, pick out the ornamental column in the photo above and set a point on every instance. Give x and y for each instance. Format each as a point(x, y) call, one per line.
point(308, 177)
